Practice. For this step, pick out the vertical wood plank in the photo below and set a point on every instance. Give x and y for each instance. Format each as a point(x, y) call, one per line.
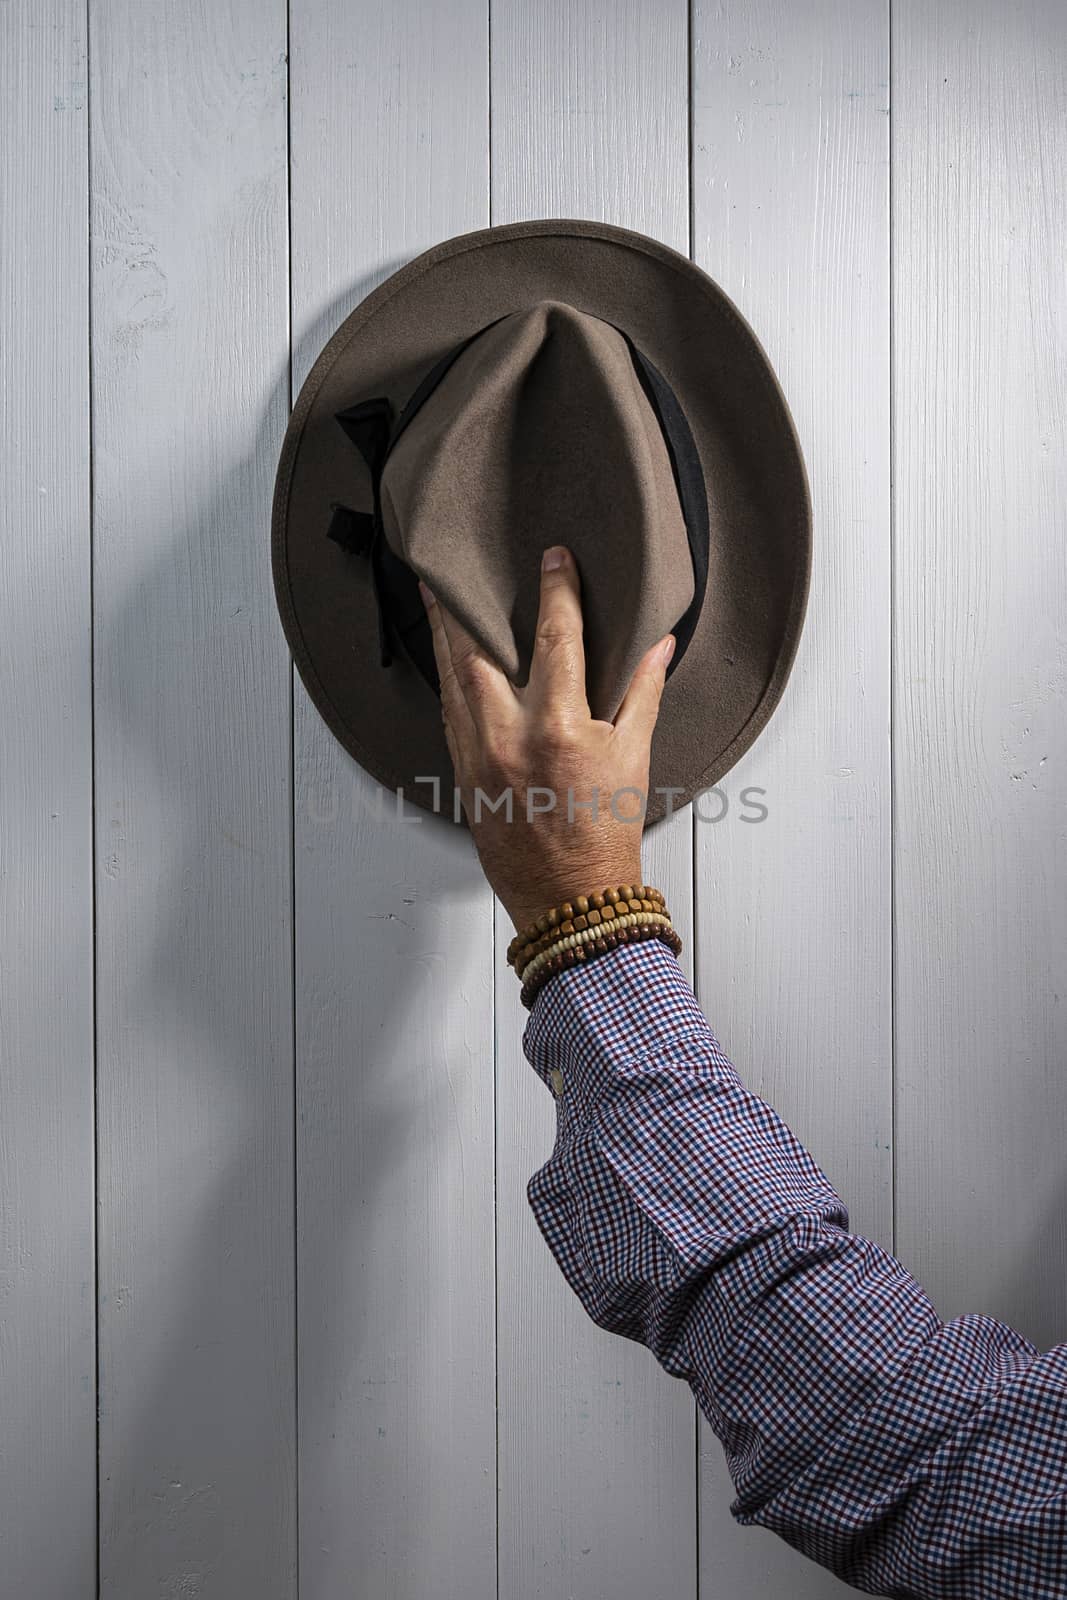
point(980, 307)
point(193, 814)
point(597, 1443)
point(394, 921)
point(790, 182)
point(47, 1333)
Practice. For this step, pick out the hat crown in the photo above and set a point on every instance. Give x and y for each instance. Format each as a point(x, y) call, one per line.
point(541, 433)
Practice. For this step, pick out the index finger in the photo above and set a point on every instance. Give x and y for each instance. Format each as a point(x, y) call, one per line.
point(479, 683)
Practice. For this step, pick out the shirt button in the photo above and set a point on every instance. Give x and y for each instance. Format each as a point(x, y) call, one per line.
point(555, 1077)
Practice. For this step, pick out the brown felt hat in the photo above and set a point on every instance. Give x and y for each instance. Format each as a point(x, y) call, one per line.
point(537, 384)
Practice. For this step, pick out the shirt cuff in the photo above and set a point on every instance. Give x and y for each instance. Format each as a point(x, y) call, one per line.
point(589, 1024)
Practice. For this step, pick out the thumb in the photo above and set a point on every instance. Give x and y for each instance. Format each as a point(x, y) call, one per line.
point(637, 715)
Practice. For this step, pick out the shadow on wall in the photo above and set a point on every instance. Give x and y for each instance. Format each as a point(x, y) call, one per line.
point(1019, 1294)
point(195, 1070)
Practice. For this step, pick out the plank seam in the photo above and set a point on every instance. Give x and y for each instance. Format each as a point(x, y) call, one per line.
point(694, 918)
point(892, 665)
point(493, 957)
point(92, 783)
point(292, 836)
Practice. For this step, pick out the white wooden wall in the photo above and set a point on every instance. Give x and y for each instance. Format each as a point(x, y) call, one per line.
point(275, 1318)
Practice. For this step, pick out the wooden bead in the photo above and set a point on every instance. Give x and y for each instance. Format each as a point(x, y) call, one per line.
point(580, 923)
point(553, 917)
point(634, 905)
point(566, 910)
point(611, 895)
point(593, 918)
point(607, 914)
point(568, 926)
point(625, 892)
point(597, 901)
point(582, 904)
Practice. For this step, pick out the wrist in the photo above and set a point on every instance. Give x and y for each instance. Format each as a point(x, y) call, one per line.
point(534, 901)
point(588, 927)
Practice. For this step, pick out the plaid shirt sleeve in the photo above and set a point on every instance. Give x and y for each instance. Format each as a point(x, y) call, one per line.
point(910, 1456)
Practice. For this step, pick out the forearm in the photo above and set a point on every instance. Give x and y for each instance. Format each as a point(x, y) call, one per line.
point(686, 1215)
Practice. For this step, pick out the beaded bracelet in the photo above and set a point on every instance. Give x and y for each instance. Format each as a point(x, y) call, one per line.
point(583, 904)
point(601, 943)
point(552, 919)
point(605, 917)
point(574, 918)
point(632, 919)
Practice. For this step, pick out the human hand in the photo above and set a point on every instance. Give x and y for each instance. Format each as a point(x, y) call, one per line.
point(539, 744)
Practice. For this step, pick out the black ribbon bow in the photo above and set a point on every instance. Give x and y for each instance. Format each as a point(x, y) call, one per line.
point(402, 621)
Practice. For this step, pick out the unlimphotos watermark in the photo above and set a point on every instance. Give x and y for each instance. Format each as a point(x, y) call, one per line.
point(713, 805)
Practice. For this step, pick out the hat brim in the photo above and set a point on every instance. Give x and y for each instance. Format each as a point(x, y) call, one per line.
point(737, 664)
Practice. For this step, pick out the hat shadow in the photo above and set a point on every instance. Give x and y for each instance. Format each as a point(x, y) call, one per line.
point(203, 1385)
point(1019, 1292)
